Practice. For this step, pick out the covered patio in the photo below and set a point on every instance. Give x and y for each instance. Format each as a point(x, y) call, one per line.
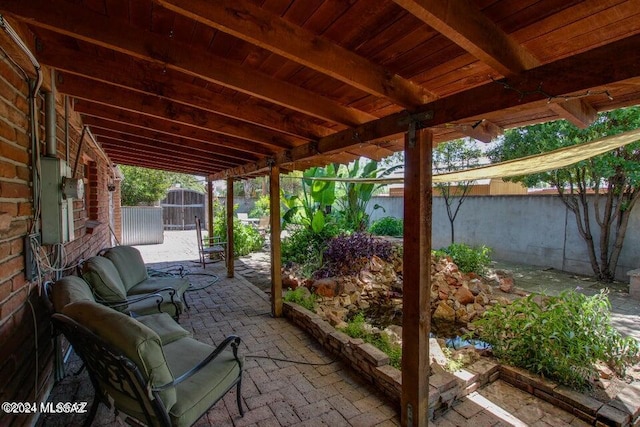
point(312, 388)
point(235, 89)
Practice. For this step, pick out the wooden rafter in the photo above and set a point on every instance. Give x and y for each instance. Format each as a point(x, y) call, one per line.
point(152, 137)
point(124, 155)
point(465, 25)
point(268, 31)
point(89, 109)
point(577, 111)
point(124, 147)
point(482, 100)
point(482, 130)
point(163, 147)
point(149, 78)
point(78, 22)
point(153, 106)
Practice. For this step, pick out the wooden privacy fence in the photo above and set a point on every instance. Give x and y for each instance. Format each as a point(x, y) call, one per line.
point(180, 208)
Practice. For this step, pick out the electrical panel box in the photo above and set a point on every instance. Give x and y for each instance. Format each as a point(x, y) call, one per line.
point(56, 209)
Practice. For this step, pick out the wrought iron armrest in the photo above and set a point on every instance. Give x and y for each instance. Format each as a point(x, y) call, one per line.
point(232, 340)
point(136, 298)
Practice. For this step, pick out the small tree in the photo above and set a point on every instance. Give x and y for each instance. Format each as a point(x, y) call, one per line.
point(613, 178)
point(142, 186)
point(453, 156)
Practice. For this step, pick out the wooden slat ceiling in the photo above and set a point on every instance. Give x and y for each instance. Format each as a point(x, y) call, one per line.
point(229, 87)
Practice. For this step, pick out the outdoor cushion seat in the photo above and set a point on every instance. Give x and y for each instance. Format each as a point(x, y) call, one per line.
point(156, 382)
point(135, 277)
point(123, 291)
point(71, 289)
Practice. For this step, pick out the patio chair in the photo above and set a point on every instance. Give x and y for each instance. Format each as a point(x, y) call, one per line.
point(211, 247)
point(264, 225)
point(120, 279)
point(155, 382)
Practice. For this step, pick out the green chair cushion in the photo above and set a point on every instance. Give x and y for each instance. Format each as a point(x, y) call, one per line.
point(129, 264)
point(104, 279)
point(137, 341)
point(153, 284)
point(149, 306)
point(68, 290)
point(162, 324)
point(196, 394)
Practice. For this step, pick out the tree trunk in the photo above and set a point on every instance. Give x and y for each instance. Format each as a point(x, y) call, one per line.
point(621, 230)
point(584, 228)
point(453, 239)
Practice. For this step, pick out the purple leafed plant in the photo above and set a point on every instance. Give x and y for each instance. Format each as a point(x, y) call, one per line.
point(348, 254)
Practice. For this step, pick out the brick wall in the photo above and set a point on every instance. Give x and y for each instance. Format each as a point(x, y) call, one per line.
point(26, 347)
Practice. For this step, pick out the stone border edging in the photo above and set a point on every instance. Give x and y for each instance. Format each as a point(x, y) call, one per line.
point(623, 410)
point(445, 387)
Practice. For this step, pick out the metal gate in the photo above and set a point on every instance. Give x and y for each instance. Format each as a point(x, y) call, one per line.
point(181, 206)
point(142, 225)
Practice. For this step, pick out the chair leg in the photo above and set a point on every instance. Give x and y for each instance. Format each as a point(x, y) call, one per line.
point(239, 397)
point(184, 299)
point(92, 412)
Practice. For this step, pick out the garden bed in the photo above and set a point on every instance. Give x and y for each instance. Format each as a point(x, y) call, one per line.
point(445, 388)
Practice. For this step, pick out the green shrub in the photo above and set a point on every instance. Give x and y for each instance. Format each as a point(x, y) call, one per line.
point(387, 226)
point(305, 248)
point(467, 258)
point(558, 337)
point(356, 329)
point(261, 208)
point(246, 238)
point(300, 297)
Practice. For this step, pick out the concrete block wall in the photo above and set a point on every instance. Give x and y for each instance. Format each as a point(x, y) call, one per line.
point(26, 346)
point(527, 229)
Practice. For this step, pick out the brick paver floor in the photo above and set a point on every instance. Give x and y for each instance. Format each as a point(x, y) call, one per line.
point(308, 387)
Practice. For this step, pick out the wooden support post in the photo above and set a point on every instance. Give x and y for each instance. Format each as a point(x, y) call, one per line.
point(276, 263)
point(416, 320)
point(229, 256)
point(210, 217)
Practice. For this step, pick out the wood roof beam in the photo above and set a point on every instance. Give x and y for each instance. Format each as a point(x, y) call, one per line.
point(87, 108)
point(561, 78)
point(123, 156)
point(252, 24)
point(223, 150)
point(463, 23)
point(482, 130)
point(162, 146)
point(124, 160)
point(135, 150)
point(147, 78)
point(577, 111)
point(77, 21)
point(153, 106)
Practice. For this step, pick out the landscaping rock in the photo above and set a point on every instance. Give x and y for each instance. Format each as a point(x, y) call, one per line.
point(464, 296)
point(328, 288)
point(506, 284)
point(444, 312)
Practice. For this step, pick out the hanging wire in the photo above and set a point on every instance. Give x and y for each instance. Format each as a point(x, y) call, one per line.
point(539, 91)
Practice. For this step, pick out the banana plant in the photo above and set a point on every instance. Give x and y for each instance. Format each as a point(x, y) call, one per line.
point(311, 209)
point(358, 194)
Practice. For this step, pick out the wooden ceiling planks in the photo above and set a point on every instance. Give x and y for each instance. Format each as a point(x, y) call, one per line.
point(264, 90)
point(280, 36)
